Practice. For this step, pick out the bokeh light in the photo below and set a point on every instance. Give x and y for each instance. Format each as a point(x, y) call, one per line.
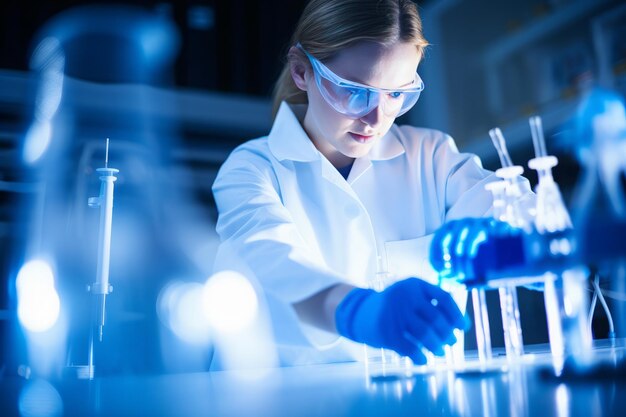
point(180, 309)
point(39, 398)
point(38, 302)
point(230, 302)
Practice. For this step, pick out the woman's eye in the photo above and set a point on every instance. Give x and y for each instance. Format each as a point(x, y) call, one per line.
point(395, 94)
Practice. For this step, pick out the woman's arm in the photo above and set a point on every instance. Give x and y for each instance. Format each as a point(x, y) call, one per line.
point(319, 309)
point(254, 224)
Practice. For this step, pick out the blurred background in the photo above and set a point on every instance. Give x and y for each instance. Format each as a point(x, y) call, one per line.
point(177, 85)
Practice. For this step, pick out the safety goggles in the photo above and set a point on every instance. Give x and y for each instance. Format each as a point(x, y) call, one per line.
point(356, 100)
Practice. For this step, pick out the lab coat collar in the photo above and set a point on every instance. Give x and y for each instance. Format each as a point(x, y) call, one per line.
point(288, 140)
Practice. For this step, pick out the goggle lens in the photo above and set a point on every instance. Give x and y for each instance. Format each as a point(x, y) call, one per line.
point(356, 100)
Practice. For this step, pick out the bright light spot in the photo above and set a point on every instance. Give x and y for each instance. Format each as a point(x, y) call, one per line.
point(157, 40)
point(38, 303)
point(562, 401)
point(432, 388)
point(36, 141)
point(180, 309)
point(40, 399)
point(230, 301)
point(566, 247)
point(555, 247)
point(445, 242)
point(480, 238)
point(48, 60)
point(34, 274)
point(568, 307)
point(612, 122)
point(460, 244)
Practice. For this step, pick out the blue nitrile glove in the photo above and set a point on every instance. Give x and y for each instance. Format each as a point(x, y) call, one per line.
point(465, 250)
point(404, 317)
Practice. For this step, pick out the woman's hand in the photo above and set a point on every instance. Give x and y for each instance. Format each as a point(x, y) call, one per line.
point(463, 250)
point(405, 317)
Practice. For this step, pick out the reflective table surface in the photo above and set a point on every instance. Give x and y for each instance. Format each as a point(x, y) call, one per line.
point(342, 389)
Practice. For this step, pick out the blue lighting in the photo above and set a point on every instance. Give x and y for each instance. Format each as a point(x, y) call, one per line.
point(38, 302)
point(40, 399)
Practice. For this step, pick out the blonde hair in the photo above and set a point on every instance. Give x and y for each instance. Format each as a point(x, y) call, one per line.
point(327, 26)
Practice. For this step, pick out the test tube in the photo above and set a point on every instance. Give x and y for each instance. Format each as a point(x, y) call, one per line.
point(481, 326)
point(509, 305)
point(382, 361)
point(513, 214)
point(511, 324)
point(481, 315)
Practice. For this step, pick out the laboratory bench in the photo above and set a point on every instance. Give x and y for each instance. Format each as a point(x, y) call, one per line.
point(339, 389)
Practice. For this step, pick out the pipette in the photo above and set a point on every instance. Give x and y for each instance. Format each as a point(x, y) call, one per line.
point(498, 142)
point(101, 288)
point(536, 131)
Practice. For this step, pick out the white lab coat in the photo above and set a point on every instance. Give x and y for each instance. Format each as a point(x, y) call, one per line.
point(287, 216)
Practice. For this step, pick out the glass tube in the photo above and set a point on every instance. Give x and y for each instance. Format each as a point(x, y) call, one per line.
point(513, 214)
point(481, 326)
point(565, 295)
point(511, 324)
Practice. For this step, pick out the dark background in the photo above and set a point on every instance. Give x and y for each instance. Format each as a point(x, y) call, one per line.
point(229, 45)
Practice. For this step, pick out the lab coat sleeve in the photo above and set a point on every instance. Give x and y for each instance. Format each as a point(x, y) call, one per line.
point(456, 183)
point(464, 178)
point(255, 224)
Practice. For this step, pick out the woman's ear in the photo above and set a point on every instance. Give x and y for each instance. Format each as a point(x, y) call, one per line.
point(299, 68)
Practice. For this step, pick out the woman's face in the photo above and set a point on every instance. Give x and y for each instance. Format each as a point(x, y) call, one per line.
point(341, 138)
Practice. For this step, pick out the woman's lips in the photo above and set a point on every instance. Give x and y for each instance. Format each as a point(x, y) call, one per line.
point(362, 138)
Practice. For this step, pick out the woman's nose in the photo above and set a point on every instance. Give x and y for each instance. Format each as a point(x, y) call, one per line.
point(374, 117)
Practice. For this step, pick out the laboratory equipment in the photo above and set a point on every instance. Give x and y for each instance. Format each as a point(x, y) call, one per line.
point(551, 212)
point(448, 246)
point(381, 361)
point(458, 253)
point(481, 325)
point(516, 217)
point(597, 295)
point(101, 287)
point(599, 140)
point(501, 252)
point(515, 213)
point(481, 315)
point(565, 292)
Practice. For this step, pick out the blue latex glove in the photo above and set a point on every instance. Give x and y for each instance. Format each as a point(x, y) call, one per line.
point(466, 250)
point(404, 317)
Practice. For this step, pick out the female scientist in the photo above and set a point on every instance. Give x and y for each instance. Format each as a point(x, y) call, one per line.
point(337, 195)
